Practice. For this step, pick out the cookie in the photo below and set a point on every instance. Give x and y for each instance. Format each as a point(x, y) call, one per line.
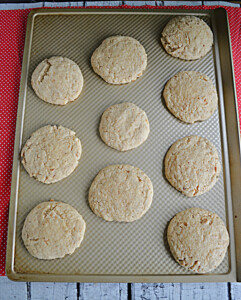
point(124, 126)
point(192, 165)
point(187, 37)
point(51, 154)
point(120, 193)
point(57, 80)
point(52, 230)
point(119, 59)
point(198, 239)
point(191, 96)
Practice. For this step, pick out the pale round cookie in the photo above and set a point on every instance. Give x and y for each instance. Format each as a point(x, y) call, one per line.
point(119, 59)
point(51, 154)
point(120, 193)
point(124, 126)
point(191, 96)
point(192, 165)
point(187, 37)
point(198, 239)
point(57, 80)
point(52, 230)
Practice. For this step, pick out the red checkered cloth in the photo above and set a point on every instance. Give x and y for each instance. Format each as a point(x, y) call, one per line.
point(13, 25)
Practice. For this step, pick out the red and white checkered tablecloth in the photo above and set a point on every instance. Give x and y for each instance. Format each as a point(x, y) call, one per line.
point(13, 24)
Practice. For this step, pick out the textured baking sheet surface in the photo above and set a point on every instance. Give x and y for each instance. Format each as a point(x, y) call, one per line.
point(140, 247)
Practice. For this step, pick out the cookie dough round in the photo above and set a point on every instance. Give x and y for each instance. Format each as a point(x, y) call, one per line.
point(52, 230)
point(119, 59)
point(192, 165)
point(57, 80)
point(51, 154)
point(187, 37)
point(124, 126)
point(120, 193)
point(191, 96)
point(198, 239)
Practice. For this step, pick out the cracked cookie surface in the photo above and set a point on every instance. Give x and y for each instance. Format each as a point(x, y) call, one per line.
point(52, 230)
point(191, 96)
point(124, 126)
point(51, 153)
point(119, 59)
point(198, 239)
point(121, 193)
point(187, 37)
point(57, 80)
point(192, 165)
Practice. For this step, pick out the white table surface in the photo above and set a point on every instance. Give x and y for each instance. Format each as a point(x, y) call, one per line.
point(116, 291)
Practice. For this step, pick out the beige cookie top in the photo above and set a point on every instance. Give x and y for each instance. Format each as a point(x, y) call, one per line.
point(198, 239)
point(120, 193)
point(51, 154)
point(57, 80)
point(52, 230)
point(124, 126)
point(191, 96)
point(119, 59)
point(187, 37)
point(192, 165)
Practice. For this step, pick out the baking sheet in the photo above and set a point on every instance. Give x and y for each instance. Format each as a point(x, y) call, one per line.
point(113, 251)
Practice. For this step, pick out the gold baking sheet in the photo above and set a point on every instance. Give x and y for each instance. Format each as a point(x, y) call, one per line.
point(111, 251)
